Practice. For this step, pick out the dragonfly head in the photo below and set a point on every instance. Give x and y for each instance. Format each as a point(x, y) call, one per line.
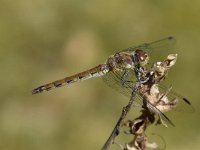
point(141, 57)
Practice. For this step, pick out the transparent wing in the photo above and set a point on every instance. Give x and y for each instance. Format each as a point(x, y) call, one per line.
point(114, 80)
point(184, 105)
point(162, 44)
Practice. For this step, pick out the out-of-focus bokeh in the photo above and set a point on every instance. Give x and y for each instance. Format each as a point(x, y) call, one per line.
point(45, 40)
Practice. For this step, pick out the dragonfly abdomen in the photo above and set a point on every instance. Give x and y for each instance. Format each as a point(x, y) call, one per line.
point(97, 71)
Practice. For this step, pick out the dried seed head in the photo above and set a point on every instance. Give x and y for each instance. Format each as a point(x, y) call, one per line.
point(171, 59)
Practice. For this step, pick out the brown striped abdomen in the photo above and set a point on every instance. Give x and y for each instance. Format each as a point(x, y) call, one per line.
point(91, 73)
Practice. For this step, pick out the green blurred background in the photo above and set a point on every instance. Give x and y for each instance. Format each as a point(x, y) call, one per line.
point(44, 40)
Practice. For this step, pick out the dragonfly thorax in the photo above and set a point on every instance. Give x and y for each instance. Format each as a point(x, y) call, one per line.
point(120, 61)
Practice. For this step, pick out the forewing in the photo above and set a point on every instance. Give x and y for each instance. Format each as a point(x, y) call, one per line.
point(162, 44)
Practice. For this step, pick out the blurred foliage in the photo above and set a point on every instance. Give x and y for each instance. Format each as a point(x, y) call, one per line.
point(44, 40)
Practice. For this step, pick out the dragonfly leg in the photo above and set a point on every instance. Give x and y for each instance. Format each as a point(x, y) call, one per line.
point(125, 80)
point(142, 75)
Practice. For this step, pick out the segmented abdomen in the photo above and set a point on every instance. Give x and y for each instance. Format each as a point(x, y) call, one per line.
point(91, 73)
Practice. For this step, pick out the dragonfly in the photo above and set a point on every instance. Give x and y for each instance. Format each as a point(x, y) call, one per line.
point(119, 72)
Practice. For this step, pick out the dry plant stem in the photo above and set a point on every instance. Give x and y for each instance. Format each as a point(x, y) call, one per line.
point(120, 122)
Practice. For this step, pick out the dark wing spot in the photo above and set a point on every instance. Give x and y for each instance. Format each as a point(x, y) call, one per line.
point(187, 101)
point(170, 37)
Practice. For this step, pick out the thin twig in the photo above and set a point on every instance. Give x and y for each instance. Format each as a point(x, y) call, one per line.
point(120, 122)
